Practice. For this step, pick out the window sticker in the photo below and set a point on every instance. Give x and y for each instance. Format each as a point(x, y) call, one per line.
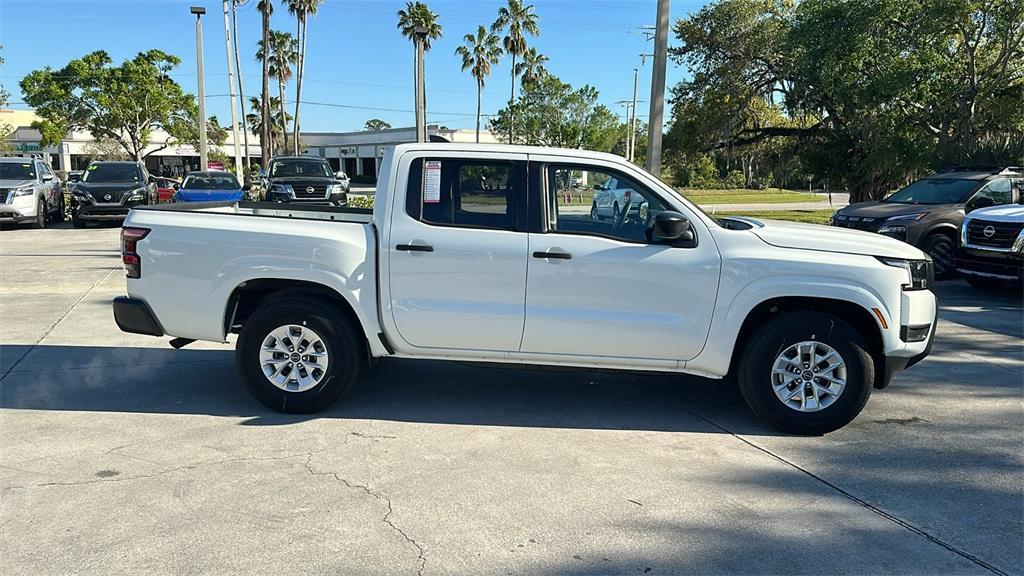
point(432, 182)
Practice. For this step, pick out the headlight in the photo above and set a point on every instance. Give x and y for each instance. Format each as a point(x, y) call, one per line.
point(137, 194)
point(920, 272)
point(76, 191)
point(285, 189)
point(23, 191)
point(335, 189)
point(907, 217)
point(963, 232)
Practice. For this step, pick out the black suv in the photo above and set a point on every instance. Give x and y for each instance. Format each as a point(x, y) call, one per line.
point(304, 179)
point(928, 212)
point(108, 190)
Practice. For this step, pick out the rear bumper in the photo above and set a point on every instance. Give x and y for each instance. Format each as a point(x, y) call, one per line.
point(133, 315)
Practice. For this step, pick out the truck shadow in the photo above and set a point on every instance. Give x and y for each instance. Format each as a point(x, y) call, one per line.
point(149, 380)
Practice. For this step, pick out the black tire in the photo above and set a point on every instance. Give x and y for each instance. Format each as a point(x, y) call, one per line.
point(941, 248)
point(594, 214)
point(41, 216)
point(754, 372)
point(342, 339)
point(615, 212)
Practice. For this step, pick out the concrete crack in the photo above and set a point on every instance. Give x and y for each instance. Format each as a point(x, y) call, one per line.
point(421, 556)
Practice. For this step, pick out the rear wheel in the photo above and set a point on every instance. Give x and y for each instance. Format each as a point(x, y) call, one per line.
point(806, 373)
point(299, 356)
point(941, 248)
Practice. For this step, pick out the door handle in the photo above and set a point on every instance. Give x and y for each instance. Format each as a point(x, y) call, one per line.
point(415, 248)
point(556, 255)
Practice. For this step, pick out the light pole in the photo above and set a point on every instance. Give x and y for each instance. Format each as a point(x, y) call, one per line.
point(239, 170)
point(632, 119)
point(420, 32)
point(658, 90)
point(199, 11)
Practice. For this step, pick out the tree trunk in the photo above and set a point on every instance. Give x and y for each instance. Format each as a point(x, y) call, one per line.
point(479, 96)
point(301, 31)
point(284, 115)
point(511, 100)
point(266, 144)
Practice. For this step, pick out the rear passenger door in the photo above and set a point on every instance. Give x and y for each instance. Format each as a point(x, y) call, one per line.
point(457, 250)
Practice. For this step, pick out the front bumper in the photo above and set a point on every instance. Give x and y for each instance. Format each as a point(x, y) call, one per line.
point(133, 315)
point(991, 264)
point(19, 209)
point(336, 199)
point(87, 211)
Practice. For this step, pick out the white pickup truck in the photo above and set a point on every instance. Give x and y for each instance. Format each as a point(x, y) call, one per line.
point(469, 254)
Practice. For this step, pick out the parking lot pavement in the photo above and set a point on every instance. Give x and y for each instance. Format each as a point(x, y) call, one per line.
point(121, 455)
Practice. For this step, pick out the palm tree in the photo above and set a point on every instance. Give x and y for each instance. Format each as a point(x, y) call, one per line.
point(531, 70)
point(266, 8)
point(255, 118)
point(238, 76)
point(478, 54)
point(518, 20)
point(284, 51)
point(418, 15)
point(302, 10)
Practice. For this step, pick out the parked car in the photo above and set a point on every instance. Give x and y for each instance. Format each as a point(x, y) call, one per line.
point(991, 252)
point(108, 190)
point(928, 212)
point(612, 198)
point(810, 319)
point(29, 192)
point(305, 179)
point(165, 188)
point(210, 186)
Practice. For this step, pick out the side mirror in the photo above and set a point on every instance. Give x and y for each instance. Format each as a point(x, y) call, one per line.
point(176, 186)
point(47, 177)
point(675, 228)
point(340, 176)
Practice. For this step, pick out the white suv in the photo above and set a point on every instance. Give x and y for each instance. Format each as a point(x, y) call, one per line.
point(29, 192)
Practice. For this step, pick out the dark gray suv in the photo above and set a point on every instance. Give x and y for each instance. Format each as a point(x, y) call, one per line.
point(928, 212)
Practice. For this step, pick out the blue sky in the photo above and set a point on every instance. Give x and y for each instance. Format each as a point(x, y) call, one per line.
point(358, 62)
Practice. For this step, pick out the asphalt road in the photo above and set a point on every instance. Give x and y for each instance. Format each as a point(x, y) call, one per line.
point(119, 455)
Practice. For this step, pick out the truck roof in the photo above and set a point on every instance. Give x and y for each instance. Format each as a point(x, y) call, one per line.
point(507, 149)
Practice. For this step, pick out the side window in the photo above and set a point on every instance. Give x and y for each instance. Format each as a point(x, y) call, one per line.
point(995, 193)
point(591, 200)
point(463, 192)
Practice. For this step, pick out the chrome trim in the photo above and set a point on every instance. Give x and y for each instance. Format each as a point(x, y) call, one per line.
point(986, 274)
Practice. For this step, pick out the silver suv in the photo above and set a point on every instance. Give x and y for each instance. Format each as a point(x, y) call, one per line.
point(29, 192)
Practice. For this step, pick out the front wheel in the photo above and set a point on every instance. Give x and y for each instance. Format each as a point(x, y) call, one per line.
point(299, 355)
point(41, 216)
point(806, 373)
point(594, 215)
point(940, 247)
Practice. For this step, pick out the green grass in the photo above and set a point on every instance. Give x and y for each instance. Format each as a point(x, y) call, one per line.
point(809, 216)
point(736, 196)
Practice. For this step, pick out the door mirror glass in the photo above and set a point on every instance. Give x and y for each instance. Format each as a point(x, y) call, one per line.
point(675, 228)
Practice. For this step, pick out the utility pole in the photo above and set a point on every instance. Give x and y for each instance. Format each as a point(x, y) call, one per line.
point(629, 105)
point(199, 11)
point(658, 90)
point(239, 169)
point(421, 101)
point(241, 92)
point(632, 120)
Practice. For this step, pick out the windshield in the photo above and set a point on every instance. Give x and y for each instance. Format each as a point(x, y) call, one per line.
point(17, 171)
point(934, 191)
point(287, 168)
point(211, 182)
point(111, 173)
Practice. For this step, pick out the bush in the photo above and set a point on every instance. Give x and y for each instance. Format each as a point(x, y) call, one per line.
point(360, 202)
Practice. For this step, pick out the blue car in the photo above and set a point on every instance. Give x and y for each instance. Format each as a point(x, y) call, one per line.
point(210, 186)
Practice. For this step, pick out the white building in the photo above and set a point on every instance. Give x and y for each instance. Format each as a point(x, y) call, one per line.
point(357, 153)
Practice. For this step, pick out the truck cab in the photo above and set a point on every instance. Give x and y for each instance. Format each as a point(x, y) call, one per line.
point(471, 253)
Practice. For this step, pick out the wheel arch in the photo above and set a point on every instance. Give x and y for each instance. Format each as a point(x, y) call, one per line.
point(860, 318)
point(248, 296)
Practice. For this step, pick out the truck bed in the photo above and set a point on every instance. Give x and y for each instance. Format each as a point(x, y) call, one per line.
point(197, 254)
point(270, 210)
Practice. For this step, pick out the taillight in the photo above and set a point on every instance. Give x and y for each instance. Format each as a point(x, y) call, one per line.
point(129, 255)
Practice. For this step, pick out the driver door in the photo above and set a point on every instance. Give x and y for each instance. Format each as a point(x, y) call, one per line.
point(601, 287)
